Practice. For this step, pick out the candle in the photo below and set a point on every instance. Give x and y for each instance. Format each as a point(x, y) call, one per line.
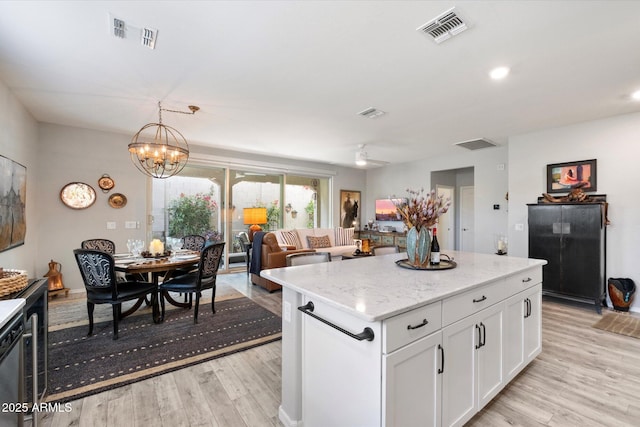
point(156, 247)
point(501, 245)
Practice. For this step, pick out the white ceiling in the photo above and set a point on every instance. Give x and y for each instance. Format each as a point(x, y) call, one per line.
point(288, 78)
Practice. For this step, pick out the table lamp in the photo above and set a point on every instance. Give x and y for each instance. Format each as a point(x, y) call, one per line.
point(253, 217)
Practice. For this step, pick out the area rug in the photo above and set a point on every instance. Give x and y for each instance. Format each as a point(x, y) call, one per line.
point(80, 366)
point(619, 323)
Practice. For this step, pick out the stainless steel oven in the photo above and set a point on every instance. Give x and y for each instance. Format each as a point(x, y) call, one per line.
point(11, 373)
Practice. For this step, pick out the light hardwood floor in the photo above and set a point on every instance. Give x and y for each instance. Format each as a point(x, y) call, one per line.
point(584, 377)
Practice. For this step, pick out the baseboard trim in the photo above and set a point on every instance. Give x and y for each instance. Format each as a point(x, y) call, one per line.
point(288, 422)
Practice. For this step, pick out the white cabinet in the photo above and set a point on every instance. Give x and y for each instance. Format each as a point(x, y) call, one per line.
point(435, 365)
point(472, 364)
point(341, 376)
point(412, 382)
point(523, 335)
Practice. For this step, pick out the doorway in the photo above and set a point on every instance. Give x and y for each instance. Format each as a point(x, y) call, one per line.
point(446, 222)
point(467, 240)
point(449, 183)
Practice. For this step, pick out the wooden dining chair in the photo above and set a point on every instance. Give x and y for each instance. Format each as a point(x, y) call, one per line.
point(383, 250)
point(195, 282)
point(99, 276)
point(303, 258)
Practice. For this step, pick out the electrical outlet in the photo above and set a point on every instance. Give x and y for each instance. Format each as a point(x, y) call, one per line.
point(496, 207)
point(111, 225)
point(500, 166)
point(519, 227)
point(130, 224)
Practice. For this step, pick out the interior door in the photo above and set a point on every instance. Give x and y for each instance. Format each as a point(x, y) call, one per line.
point(446, 228)
point(467, 235)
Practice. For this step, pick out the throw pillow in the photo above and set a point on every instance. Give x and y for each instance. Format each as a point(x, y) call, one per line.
point(344, 236)
point(319, 242)
point(290, 238)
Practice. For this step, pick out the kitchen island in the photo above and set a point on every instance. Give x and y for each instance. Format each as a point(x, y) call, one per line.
point(367, 343)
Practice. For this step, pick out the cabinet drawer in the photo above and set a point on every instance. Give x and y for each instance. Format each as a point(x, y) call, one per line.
point(463, 305)
point(401, 242)
point(524, 280)
point(405, 328)
point(388, 240)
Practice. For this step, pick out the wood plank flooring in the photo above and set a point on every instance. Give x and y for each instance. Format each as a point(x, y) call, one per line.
point(584, 377)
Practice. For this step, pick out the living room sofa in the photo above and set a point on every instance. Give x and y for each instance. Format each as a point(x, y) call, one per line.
point(336, 241)
point(278, 244)
point(272, 255)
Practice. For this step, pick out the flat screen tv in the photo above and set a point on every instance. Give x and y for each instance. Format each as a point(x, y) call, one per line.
point(386, 209)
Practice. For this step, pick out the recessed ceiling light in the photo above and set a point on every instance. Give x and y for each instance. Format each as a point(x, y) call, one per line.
point(636, 95)
point(499, 73)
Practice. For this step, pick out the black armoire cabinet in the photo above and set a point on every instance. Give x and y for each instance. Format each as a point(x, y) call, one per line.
point(572, 238)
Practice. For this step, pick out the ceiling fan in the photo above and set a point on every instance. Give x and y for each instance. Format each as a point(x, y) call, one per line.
point(362, 158)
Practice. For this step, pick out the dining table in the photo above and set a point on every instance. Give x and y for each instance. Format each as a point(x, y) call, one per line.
point(161, 267)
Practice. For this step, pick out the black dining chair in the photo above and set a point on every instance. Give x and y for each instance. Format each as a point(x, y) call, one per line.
point(99, 276)
point(104, 245)
point(195, 282)
point(193, 242)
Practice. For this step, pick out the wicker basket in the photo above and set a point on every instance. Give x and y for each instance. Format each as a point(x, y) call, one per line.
point(12, 281)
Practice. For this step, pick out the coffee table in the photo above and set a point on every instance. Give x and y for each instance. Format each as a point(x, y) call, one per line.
point(351, 255)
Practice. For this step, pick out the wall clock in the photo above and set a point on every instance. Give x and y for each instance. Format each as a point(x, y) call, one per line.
point(106, 183)
point(78, 195)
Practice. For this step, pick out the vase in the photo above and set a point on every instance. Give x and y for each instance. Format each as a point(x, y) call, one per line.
point(418, 247)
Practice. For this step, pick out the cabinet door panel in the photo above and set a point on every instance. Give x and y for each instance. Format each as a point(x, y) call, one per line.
point(412, 385)
point(545, 242)
point(340, 372)
point(532, 325)
point(458, 380)
point(514, 335)
point(490, 373)
point(581, 275)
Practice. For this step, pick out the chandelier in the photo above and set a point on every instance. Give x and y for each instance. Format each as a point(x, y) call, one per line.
point(158, 150)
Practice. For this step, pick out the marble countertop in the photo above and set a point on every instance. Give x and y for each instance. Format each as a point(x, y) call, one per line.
point(375, 288)
point(9, 308)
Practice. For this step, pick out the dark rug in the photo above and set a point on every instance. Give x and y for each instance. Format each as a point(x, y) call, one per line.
point(619, 323)
point(80, 366)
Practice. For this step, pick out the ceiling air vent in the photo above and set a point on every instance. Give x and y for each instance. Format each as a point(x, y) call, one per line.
point(119, 29)
point(444, 26)
point(476, 144)
point(148, 37)
point(371, 113)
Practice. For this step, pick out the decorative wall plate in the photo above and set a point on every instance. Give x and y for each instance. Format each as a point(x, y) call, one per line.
point(78, 195)
point(117, 200)
point(106, 183)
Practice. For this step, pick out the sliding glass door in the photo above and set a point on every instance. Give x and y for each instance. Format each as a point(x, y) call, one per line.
point(212, 201)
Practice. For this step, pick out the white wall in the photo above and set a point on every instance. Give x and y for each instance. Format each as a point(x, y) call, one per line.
point(614, 143)
point(68, 154)
point(19, 142)
point(490, 187)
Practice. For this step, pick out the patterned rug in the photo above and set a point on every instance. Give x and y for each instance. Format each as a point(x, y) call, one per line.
point(619, 323)
point(80, 366)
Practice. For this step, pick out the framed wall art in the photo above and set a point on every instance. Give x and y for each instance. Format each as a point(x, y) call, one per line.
point(13, 195)
point(564, 177)
point(349, 208)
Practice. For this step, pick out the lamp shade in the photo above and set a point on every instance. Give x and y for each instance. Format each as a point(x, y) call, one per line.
point(255, 216)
